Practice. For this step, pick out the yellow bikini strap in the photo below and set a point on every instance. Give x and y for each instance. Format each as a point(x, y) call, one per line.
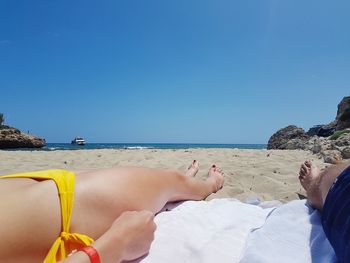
point(66, 242)
point(64, 181)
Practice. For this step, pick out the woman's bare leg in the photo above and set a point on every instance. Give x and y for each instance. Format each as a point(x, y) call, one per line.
point(101, 196)
point(317, 183)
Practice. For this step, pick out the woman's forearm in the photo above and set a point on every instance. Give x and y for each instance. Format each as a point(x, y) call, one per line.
point(128, 238)
point(109, 252)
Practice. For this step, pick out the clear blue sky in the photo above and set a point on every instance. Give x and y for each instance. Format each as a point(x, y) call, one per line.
point(172, 71)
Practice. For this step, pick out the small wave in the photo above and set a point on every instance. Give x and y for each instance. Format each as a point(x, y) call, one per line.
point(136, 147)
point(52, 149)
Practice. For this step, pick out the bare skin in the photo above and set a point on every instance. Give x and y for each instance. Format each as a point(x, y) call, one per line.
point(192, 170)
point(317, 183)
point(310, 179)
point(129, 237)
point(101, 197)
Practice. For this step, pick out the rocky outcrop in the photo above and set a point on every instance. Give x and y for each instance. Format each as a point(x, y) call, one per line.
point(332, 150)
point(288, 138)
point(343, 114)
point(330, 142)
point(11, 138)
point(323, 130)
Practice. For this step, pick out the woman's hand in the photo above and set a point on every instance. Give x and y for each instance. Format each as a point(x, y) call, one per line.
point(129, 237)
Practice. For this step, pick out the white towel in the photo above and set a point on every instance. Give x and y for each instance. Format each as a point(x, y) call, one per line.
point(226, 230)
point(292, 233)
point(205, 231)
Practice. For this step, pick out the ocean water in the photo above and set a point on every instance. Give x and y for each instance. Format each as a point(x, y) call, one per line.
point(140, 146)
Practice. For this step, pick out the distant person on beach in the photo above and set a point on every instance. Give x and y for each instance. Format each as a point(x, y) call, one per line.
point(329, 192)
point(37, 224)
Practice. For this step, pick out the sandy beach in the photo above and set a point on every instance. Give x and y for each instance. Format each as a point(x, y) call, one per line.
point(265, 174)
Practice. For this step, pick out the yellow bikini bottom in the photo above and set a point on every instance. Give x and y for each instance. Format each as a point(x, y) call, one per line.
point(66, 242)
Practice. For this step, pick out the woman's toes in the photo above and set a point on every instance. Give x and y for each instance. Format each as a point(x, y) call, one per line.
point(193, 168)
point(194, 164)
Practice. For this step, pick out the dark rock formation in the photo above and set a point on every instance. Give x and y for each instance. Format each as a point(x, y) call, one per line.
point(322, 130)
point(331, 150)
point(318, 140)
point(343, 114)
point(288, 138)
point(314, 130)
point(11, 138)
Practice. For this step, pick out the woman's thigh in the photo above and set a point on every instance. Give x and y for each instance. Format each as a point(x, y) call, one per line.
point(103, 195)
point(31, 216)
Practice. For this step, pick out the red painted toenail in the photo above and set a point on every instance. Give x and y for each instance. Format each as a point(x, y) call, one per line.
point(214, 165)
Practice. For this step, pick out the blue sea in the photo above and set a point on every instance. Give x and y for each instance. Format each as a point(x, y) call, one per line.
point(140, 146)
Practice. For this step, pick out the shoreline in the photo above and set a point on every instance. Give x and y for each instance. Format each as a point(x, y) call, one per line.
point(141, 146)
point(264, 174)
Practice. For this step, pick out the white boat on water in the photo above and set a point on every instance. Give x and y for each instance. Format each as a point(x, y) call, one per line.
point(78, 141)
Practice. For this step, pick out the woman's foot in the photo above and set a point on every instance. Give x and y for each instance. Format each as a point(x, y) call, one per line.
point(216, 178)
point(310, 177)
point(192, 169)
